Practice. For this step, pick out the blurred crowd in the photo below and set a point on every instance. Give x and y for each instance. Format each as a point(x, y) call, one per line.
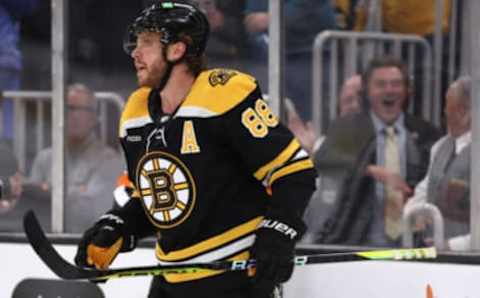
point(376, 160)
point(91, 171)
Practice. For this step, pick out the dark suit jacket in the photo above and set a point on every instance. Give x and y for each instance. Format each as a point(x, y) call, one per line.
point(349, 147)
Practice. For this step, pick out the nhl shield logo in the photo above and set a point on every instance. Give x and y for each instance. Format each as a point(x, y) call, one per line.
point(167, 189)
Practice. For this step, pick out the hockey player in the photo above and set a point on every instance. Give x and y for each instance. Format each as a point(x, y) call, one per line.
point(211, 171)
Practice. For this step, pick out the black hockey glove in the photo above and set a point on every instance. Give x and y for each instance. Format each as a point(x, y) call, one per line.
point(100, 244)
point(274, 251)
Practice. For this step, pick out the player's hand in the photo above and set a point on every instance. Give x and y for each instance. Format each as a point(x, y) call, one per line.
point(100, 244)
point(274, 251)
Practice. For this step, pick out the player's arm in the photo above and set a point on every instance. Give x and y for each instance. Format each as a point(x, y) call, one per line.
point(273, 156)
point(119, 229)
point(276, 159)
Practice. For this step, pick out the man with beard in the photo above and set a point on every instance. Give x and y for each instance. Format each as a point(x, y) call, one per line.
point(375, 158)
point(211, 171)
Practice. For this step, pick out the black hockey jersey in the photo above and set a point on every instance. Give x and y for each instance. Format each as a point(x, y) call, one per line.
point(204, 174)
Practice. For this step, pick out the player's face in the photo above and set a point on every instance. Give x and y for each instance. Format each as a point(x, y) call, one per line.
point(387, 93)
point(81, 116)
point(148, 59)
point(457, 116)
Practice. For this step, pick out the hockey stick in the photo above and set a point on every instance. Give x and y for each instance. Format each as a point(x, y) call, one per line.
point(66, 270)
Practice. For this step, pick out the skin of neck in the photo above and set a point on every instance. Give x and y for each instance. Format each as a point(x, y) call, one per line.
point(460, 129)
point(73, 143)
point(177, 88)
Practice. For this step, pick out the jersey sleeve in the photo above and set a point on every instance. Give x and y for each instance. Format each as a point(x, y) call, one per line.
point(126, 197)
point(127, 205)
point(272, 155)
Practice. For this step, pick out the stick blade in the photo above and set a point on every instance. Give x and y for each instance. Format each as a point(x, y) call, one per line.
point(44, 249)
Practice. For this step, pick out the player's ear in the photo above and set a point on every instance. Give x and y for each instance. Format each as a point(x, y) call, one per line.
point(176, 50)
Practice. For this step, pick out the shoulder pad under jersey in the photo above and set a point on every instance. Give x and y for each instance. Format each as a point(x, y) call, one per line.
point(216, 92)
point(135, 113)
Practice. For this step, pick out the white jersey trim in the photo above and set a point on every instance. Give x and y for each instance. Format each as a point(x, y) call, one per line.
point(300, 154)
point(133, 123)
point(121, 196)
point(193, 111)
point(218, 254)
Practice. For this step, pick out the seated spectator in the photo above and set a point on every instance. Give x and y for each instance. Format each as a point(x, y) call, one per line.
point(348, 103)
point(14, 200)
point(349, 99)
point(303, 131)
point(447, 183)
point(402, 16)
point(227, 42)
point(411, 17)
point(91, 166)
point(322, 199)
point(345, 13)
point(11, 11)
point(10, 178)
point(303, 21)
point(362, 150)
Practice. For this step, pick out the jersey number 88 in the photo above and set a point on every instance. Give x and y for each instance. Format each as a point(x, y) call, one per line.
point(258, 120)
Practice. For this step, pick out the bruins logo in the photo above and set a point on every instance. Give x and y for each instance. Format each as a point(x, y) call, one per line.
point(167, 189)
point(220, 76)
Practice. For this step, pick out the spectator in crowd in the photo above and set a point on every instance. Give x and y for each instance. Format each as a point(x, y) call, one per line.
point(410, 17)
point(322, 199)
point(401, 16)
point(349, 99)
point(11, 11)
point(10, 178)
point(345, 13)
point(96, 57)
point(13, 200)
point(228, 41)
point(91, 167)
point(447, 183)
point(348, 103)
point(363, 150)
point(303, 21)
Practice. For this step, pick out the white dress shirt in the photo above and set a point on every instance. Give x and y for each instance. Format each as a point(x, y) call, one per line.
point(420, 195)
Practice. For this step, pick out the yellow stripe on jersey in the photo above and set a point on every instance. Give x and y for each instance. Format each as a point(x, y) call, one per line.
point(216, 92)
point(135, 112)
point(136, 194)
point(175, 277)
point(290, 169)
point(209, 244)
point(282, 158)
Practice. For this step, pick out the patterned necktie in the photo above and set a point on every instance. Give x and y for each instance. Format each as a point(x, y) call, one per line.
point(393, 199)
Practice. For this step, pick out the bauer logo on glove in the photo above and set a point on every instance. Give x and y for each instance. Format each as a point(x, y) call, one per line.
point(278, 226)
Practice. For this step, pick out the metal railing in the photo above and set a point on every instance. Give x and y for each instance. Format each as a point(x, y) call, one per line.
point(351, 51)
point(429, 210)
point(40, 99)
